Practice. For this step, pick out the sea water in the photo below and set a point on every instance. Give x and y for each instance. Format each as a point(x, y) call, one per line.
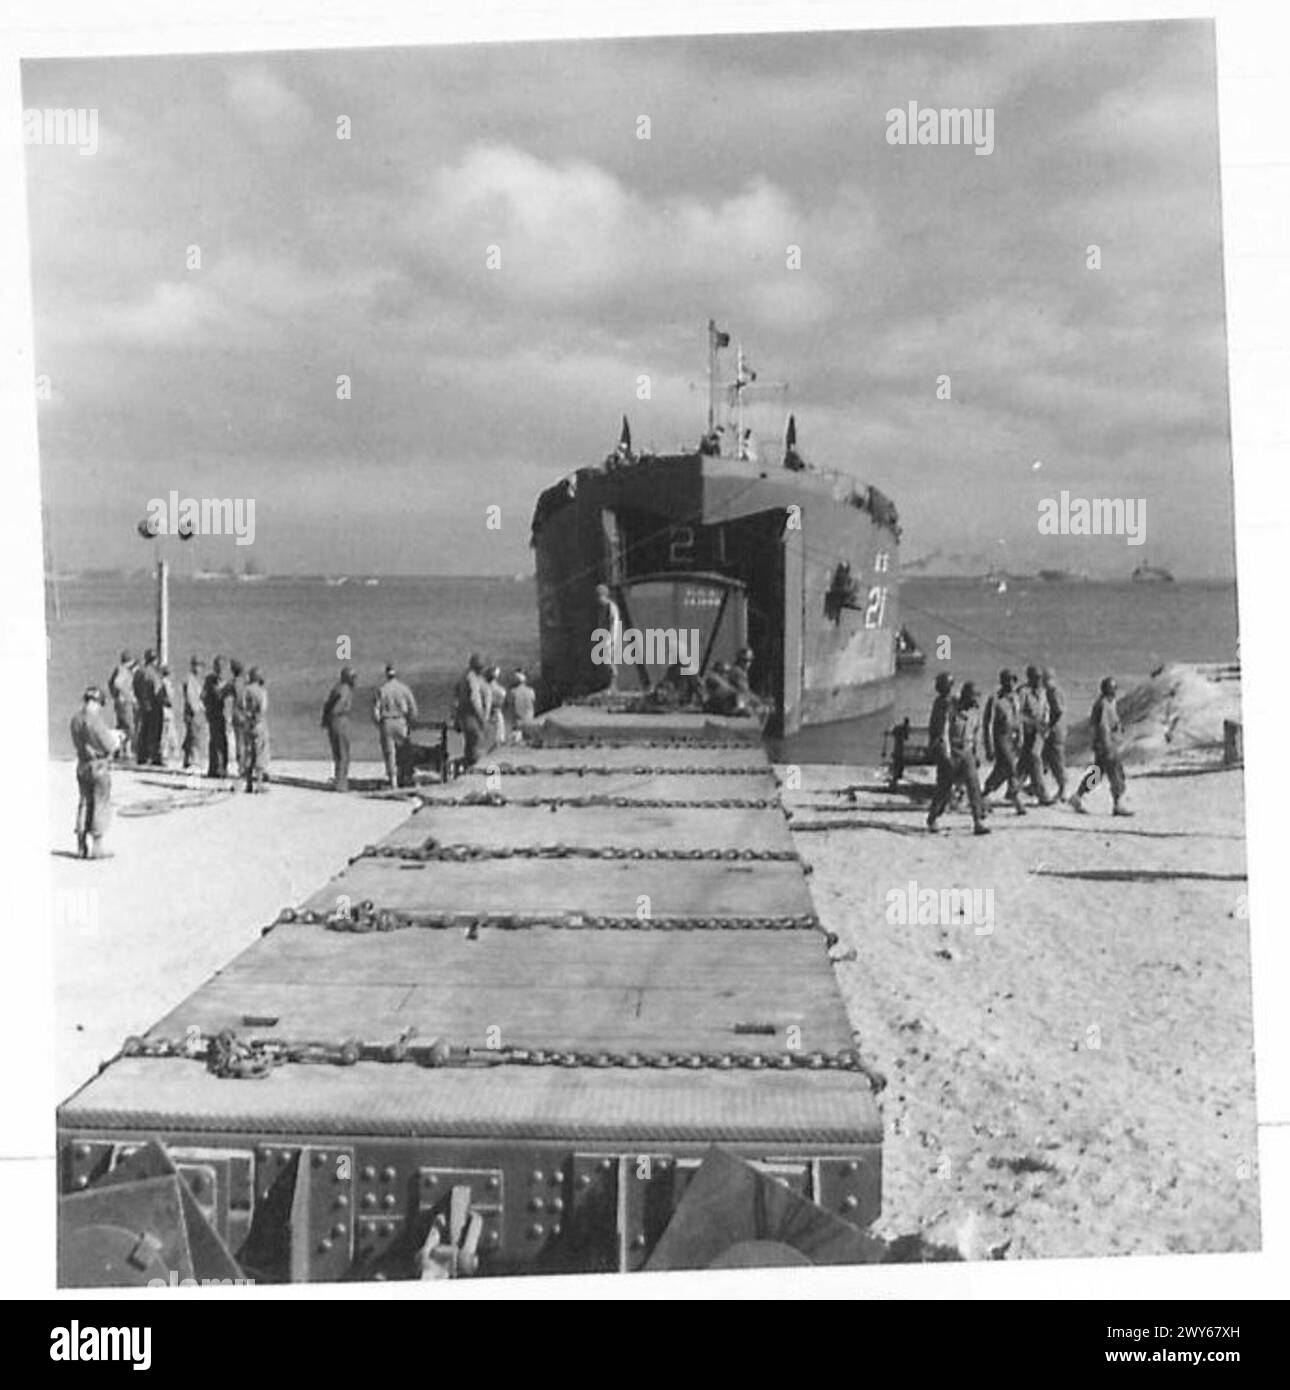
point(293, 629)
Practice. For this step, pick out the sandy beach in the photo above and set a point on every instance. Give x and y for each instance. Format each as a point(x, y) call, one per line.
point(1069, 1068)
point(1076, 1076)
point(197, 872)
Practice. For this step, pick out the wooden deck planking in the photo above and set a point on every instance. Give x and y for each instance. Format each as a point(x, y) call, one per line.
point(601, 887)
point(645, 827)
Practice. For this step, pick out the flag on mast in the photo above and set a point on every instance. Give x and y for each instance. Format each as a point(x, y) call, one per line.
point(720, 339)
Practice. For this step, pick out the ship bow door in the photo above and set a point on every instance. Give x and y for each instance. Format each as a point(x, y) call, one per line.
point(693, 619)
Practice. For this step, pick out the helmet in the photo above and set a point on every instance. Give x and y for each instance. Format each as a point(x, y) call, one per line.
point(1109, 686)
point(944, 683)
point(968, 693)
point(1007, 677)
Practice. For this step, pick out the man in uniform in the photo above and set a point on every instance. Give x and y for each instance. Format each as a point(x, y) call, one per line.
point(149, 699)
point(1033, 707)
point(496, 706)
point(938, 737)
point(521, 704)
point(1002, 726)
point(255, 731)
point(741, 678)
point(960, 740)
point(1054, 751)
point(611, 619)
point(213, 700)
point(168, 749)
point(472, 703)
point(1106, 752)
point(392, 711)
point(194, 715)
point(121, 688)
point(335, 719)
point(95, 745)
point(719, 694)
point(234, 694)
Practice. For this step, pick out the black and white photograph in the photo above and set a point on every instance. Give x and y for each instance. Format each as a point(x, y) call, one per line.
point(644, 672)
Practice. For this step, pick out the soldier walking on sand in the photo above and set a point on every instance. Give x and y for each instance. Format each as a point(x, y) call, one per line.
point(1054, 751)
point(961, 741)
point(1107, 731)
point(194, 715)
point(392, 712)
point(255, 731)
point(335, 719)
point(1033, 706)
point(1001, 727)
point(938, 744)
point(213, 701)
point(95, 746)
point(121, 688)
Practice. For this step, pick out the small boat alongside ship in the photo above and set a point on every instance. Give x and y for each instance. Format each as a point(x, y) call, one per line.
point(798, 562)
point(909, 655)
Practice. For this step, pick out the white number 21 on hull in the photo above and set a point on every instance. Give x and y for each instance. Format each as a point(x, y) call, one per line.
point(876, 607)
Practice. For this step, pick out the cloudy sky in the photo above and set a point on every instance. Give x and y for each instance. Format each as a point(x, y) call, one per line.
point(473, 386)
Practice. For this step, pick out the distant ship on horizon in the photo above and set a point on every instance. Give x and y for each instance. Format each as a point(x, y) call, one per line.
point(1147, 573)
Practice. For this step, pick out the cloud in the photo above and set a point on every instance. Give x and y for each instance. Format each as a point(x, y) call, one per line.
point(570, 234)
point(265, 106)
point(368, 257)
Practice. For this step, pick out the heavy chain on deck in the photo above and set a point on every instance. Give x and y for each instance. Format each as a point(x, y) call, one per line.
point(729, 803)
point(366, 917)
point(564, 741)
point(463, 853)
point(602, 770)
point(230, 1056)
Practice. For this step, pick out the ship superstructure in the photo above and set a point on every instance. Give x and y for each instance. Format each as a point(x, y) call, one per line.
point(798, 562)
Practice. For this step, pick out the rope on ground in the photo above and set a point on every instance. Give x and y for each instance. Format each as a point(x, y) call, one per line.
point(160, 805)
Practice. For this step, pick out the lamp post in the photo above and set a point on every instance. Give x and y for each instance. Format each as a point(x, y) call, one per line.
point(149, 529)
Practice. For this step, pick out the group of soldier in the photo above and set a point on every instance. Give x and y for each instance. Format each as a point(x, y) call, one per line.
point(147, 710)
point(229, 699)
point(485, 712)
point(725, 688)
point(1021, 732)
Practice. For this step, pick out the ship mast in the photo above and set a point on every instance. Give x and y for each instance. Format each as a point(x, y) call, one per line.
point(712, 374)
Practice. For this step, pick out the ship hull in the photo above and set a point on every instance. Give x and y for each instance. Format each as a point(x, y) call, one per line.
point(811, 560)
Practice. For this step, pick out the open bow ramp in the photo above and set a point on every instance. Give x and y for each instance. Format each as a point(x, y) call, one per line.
point(502, 1040)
